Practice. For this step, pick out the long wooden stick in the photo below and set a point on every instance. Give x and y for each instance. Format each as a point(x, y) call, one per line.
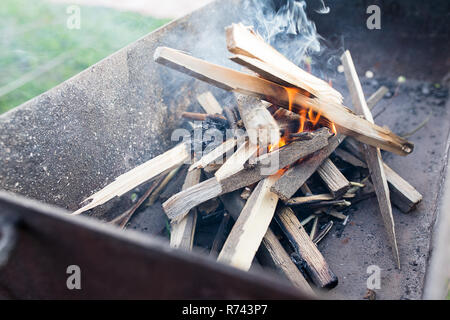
point(267, 164)
point(251, 226)
point(373, 155)
point(135, 177)
point(232, 80)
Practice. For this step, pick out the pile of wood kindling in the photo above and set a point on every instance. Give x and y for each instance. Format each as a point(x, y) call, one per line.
point(271, 100)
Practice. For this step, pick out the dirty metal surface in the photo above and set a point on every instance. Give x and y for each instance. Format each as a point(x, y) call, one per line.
point(114, 264)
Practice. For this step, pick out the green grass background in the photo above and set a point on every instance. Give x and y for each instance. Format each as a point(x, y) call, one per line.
point(33, 33)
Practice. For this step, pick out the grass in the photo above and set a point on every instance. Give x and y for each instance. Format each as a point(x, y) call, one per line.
point(34, 36)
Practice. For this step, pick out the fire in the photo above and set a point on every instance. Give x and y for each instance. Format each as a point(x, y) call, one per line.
point(291, 92)
point(283, 141)
point(308, 119)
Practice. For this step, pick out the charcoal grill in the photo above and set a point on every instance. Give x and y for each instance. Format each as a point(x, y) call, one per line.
point(63, 145)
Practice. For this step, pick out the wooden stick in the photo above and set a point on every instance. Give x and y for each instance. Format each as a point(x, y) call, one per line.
point(209, 103)
point(182, 232)
point(155, 194)
point(229, 114)
point(297, 175)
point(271, 250)
point(319, 204)
point(316, 266)
point(215, 155)
point(243, 41)
point(266, 165)
point(349, 158)
point(262, 129)
point(251, 226)
point(220, 237)
point(310, 199)
point(276, 255)
point(377, 96)
point(202, 116)
point(135, 177)
point(403, 195)
point(324, 232)
point(236, 162)
point(335, 181)
point(373, 155)
point(232, 80)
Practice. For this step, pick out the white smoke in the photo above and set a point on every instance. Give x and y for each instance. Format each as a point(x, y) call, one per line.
point(288, 29)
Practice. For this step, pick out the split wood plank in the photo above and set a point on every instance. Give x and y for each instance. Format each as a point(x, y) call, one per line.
point(182, 232)
point(262, 129)
point(297, 175)
point(209, 103)
point(135, 177)
point(215, 155)
point(232, 80)
point(310, 199)
point(403, 195)
point(349, 158)
point(316, 266)
point(251, 226)
point(335, 181)
point(373, 154)
point(266, 165)
point(241, 40)
point(376, 97)
point(236, 162)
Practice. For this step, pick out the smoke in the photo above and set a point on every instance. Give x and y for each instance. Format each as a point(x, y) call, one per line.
point(288, 28)
point(292, 33)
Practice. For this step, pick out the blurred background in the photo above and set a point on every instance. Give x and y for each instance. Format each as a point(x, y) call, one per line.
point(43, 44)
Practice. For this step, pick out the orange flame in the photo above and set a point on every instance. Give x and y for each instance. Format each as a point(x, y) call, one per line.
point(291, 92)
